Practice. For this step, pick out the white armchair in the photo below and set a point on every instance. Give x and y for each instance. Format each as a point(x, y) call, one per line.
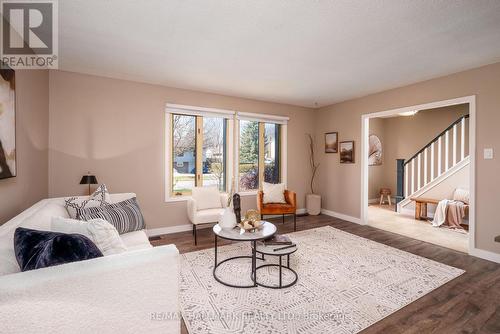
point(205, 206)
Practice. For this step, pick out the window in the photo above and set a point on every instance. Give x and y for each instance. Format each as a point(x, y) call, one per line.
point(272, 153)
point(259, 154)
point(249, 156)
point(183, 153)
point(214, 152)
point(222, 148)
point(198, 153)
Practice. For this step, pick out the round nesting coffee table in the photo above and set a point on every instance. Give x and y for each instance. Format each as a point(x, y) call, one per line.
point(270, 250)
point(236, 234)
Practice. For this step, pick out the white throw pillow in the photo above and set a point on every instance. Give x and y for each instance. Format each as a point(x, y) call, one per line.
point(273, 193)
point(41, 219)
point(461, 195)
point(98, 198)
point(206, 198)
point(103, 234)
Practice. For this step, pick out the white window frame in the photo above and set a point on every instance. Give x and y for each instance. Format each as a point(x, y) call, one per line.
point(233, 144)
point(194, 111)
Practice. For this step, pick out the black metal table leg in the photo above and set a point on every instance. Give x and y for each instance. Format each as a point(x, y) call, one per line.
point(288, 261)
point(254, 262)
point(280, 273)
point(215, 250)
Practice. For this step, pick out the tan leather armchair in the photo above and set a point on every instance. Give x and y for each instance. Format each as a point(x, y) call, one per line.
point(290, 208)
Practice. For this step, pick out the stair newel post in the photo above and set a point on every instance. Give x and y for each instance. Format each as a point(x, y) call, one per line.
point(400, 181)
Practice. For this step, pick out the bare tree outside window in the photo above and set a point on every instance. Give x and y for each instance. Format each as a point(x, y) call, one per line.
point(184, 153)
point(185, 146)
point(214, 139)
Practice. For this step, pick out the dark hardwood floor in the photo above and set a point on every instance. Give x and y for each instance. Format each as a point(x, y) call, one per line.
point(468, 304)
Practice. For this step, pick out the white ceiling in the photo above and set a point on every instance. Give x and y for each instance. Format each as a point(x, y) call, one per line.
point(298, 52)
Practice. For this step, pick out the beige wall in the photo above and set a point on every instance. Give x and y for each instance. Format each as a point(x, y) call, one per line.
point(341, 184)
point(32, 115)
point(115, 129)
point(402, 137)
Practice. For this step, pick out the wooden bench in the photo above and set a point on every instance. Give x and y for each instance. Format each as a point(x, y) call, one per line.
point(421, 210)
point(421, 206)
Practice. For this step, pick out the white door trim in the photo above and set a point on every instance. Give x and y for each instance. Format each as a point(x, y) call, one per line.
point(365, 129)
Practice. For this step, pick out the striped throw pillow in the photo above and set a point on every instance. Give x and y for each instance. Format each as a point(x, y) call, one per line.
point(126, 216)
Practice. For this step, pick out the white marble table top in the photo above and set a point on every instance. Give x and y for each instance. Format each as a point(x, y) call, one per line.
point(267, 230)
point(269, 250)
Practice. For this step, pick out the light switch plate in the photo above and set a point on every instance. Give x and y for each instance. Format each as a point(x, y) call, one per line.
point(488, 153)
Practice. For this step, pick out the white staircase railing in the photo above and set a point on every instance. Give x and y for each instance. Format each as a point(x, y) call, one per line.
point(441, 154)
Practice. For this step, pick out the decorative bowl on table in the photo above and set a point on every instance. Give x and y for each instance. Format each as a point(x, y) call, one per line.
point(251, 222)
point(250, 226)
point(252, 215)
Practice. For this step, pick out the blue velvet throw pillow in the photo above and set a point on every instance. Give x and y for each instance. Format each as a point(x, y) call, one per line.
point(39, 249)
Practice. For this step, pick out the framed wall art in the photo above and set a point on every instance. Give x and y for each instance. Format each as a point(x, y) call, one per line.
point(331, 142)
point(374, 151)
point(7, 123)
point(347, 152)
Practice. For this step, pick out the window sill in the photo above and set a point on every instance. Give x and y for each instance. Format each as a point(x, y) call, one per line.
point(177, 199)
point(185, 198)
point(248, 193)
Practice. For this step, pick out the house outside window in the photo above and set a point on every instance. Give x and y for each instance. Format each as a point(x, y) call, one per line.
point(199, 146)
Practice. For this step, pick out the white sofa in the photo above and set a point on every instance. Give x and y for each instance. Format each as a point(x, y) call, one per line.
point(131, 292)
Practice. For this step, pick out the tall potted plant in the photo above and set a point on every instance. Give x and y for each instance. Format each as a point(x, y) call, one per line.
point(313, 201)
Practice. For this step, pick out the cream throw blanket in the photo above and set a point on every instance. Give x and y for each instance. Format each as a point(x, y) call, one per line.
point(450, 213)
point(440, 214)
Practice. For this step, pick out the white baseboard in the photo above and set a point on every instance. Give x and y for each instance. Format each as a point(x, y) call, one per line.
point(153, 232)
point(377, 200)
point(301, 211)
point(341, 216)
point(484, 254)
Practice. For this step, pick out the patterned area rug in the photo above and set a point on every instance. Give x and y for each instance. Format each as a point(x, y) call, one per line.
point(346, 283)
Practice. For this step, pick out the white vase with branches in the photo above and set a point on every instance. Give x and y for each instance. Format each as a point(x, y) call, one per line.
point(313, 201)
point(227, 220)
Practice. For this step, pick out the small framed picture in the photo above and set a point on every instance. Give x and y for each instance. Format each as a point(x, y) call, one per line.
point(331, 142)
point(347, 152)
